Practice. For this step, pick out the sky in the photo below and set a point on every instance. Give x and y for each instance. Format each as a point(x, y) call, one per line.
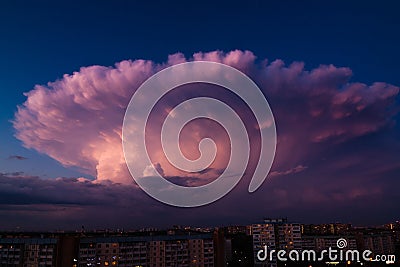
point(68, 69)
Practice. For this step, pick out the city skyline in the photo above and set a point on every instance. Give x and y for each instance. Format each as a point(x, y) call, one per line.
point(216, 246)
point(328, 71)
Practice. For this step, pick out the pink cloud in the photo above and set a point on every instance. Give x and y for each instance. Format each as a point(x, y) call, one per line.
point(297, 169)
point(77, 120)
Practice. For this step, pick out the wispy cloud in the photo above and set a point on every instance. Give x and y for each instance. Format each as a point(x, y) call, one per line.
point(297, 169)
point(17, 157)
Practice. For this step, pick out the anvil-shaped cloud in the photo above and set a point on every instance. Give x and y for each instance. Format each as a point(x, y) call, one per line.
point(77, 120)
point(337, 148)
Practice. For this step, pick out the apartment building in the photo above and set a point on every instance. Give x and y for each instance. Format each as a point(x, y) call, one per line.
point(276, 234)
point(158, 251)
point(27, 252)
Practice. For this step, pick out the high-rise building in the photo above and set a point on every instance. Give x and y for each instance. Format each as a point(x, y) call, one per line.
point(276, 234)
point(379, 242)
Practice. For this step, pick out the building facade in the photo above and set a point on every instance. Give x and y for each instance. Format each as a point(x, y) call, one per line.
point(150, 251)
point(28, 252)
point(186, 250)
point(276, 234)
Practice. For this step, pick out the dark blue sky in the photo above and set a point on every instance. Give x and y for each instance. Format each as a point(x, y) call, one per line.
point(43, 40)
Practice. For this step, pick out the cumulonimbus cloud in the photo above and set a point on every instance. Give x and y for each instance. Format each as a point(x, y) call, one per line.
point(77, 120)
